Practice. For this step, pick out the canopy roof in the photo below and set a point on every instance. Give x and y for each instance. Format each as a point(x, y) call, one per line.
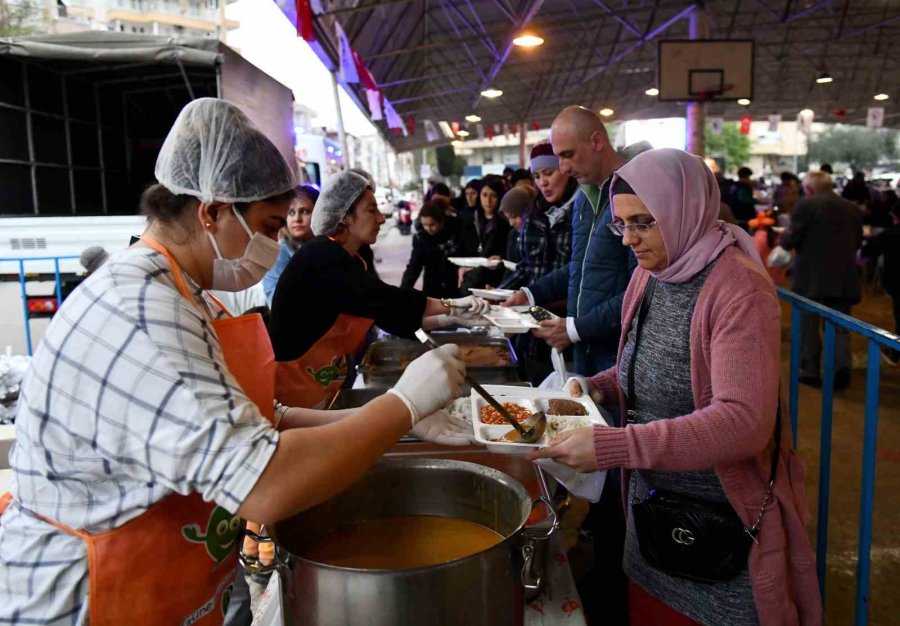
point(432, 58)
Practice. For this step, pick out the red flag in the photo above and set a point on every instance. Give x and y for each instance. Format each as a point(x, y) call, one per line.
point(839, 112)
point(411, 125)
point(365, 76)
point(745, 124)
point(490, 132)
point(305, 20)
point(455, 127)
point(535, 126)
point(513, 129)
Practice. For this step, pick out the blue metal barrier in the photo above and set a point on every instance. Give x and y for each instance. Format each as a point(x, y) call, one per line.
point(877, 339)
point(22, 279)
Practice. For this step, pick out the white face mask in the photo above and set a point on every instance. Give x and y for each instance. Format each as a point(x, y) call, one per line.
point(239, 274)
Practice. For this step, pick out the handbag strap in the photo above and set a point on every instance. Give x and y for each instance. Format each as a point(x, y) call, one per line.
point(753, 531)
point(641, 316)
point(644, 307)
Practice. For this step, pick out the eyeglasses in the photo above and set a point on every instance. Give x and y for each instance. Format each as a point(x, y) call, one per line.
point(619, 229)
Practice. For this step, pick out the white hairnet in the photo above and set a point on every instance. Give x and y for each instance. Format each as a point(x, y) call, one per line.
point(216, 154)
point(336, 200)
point(364, 174)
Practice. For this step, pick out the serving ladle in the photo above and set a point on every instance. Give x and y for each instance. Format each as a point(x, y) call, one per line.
point(529, 431)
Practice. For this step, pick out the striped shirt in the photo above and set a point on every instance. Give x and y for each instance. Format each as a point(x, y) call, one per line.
point(127, 400)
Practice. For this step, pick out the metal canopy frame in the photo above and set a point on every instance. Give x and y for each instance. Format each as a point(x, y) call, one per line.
point(432, 58)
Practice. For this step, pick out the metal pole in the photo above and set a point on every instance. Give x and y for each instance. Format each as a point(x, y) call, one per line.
point(65, 103)
point(30, 135)
point(25, 305)
point(522, 133)
point(825, 456)
point(867, 499)
point(102, 163)
point(696, 111)
point(58, 282)
point(340, 119)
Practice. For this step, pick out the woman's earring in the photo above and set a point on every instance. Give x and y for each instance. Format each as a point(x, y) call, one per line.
point(208, 224)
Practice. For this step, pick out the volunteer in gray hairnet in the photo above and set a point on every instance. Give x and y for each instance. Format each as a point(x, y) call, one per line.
point(327, 286)
point(148, 410)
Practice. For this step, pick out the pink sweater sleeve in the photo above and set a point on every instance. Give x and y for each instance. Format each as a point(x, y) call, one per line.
point(607, 382)
point(744, 362)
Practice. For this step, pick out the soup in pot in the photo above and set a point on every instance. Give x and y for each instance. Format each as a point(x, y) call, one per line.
point(401, 542)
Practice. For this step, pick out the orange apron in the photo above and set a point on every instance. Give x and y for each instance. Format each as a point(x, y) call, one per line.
point(320, 372)
point(306, 381)
point(175, 563)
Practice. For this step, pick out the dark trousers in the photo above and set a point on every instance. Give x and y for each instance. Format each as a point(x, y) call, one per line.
point(604, 591)
point(811, 340)
point(895, 354)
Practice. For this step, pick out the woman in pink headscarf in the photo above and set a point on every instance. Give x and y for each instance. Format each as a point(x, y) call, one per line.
point(697, 375)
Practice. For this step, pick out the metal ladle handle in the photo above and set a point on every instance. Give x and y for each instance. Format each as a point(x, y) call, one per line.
point(429, 341)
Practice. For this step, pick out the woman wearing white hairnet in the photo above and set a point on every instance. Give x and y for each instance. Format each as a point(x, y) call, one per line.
point(326, 285)
point(144, 421)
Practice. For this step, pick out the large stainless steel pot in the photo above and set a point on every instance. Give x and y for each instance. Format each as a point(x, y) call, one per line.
point(485, 588)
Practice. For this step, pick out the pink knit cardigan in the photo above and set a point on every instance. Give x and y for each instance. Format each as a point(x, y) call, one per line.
point(735, 368)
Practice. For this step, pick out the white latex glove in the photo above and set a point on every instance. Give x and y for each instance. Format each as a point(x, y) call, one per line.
point(444, 429)
point(469, 307)
point(431, 381)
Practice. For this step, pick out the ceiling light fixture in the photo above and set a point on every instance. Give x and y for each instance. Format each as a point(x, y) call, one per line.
point(744, 102)
point(881, 96)
point(606, 112)
point(463, 132)
point(824, 78)
point(653, 91)
point(473, 118)
point(528, 40)
point(806, 113)
point(492, 93)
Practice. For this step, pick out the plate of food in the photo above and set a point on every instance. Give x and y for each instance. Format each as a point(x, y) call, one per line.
point(563, 414)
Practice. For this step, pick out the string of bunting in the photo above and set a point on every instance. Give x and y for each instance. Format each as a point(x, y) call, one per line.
point(352, 69)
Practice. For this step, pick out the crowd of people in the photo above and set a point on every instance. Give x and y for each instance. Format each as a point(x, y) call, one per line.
point(152, 409)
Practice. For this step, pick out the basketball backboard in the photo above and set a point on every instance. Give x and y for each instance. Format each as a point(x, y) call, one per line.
point(705, 69)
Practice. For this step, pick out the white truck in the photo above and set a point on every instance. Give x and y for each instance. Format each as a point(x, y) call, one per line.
point(82, 118)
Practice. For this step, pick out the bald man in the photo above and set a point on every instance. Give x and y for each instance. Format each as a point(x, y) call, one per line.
point(594, 282)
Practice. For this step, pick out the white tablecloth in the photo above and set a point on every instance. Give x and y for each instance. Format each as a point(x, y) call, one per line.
point(560, 602)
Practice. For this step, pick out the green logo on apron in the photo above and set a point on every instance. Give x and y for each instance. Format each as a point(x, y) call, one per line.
point(221, 533)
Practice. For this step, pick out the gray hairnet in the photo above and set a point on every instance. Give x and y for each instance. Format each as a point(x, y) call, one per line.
point(336, 200)
point(214, 152)
point(364, 174)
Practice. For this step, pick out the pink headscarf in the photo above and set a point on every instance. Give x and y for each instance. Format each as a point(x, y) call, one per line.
point(683, 197)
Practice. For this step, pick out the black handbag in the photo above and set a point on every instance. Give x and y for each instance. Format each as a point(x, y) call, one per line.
point(687, 537)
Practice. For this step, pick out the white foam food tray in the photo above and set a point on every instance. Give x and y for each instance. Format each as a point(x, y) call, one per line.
point(511, 321)
point(533, 400)
point(473, 261)
point(492, 294)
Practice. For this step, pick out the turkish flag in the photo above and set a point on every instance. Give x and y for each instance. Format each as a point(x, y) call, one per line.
point(365, 76)
point(745, 124)
point(411, 125)
point(305, 20)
